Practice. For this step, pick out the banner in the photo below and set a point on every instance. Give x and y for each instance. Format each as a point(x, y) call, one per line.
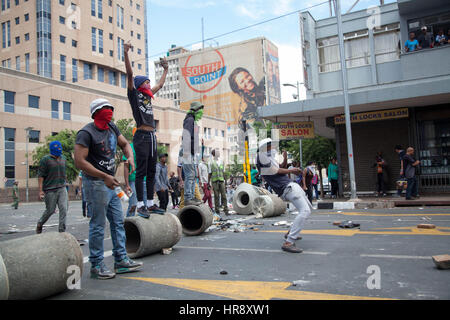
point(295, 130)
point(374, 116)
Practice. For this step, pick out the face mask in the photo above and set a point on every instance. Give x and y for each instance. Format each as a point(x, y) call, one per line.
point(55, 148)
point(102, 118)
point(198, 115)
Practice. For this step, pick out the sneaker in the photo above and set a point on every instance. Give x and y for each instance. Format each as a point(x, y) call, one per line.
point(127, 265)
point(101, 272)
point(39, 228)
point(142, 212)
point(155, 209)
point(290, 247)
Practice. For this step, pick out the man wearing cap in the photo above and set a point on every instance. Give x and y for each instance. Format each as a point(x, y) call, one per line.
point(276, 176)
point(95, 150)
point(140, 95)
point(52, 186)
point(191, 151)
point(425, 39)
point(162, 185)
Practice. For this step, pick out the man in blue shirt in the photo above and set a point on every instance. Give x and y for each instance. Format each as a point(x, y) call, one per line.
point(411, 44)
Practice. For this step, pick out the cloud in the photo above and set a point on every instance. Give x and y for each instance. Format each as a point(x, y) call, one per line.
point(259, 9)
point(184, 4)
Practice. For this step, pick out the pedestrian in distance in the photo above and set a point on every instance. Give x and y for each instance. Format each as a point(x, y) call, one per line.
point(380, 165)
point(333, 175)
point(15, 195)
point(276, 176)
point(162, 185)
point(402, 180)
point(52, 186)
point(412, 190)
point(216, 177)
point(95, 150)
point(174, 183)
point(140, 96)
point(308, 174)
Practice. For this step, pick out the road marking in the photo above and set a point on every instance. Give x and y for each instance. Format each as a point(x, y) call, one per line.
point(384, 214)
point(395, 256)
point(351, 232)
point(105, 255)
point(249, 290)
point(249, 249)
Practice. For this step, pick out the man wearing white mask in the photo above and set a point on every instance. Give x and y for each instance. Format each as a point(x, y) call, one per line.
point(276, 176)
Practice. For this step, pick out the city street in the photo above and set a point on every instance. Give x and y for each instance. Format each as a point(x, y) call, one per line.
point(336, 263)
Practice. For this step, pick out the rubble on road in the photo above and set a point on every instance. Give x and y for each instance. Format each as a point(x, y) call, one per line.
point(166, 251)
point(234, 225)
point(442, 261)
point(426, 226)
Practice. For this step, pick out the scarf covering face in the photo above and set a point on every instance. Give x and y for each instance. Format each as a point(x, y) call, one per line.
point(198, 115)
point(146, 89)
point(55, 148)
point(102, 118)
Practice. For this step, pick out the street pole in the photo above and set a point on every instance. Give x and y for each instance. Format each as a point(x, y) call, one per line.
point(348, 128)
point(26, 151)
point(300, 140)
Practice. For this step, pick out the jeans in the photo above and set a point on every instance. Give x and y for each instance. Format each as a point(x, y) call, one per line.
point(412, 188)
point(219, 193)
point(316, 190)
point(190, 174)
point(52, 198)
point(296, 195)
point(334, 187)
point(144, 143)
point(132, 203)
point(105, 204)
point(163, 197)
point(174, 196)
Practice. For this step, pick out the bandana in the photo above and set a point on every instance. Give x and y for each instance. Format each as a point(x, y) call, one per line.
point(102, 118)
point(198, 115)
point(55, 148)
point(146, 89)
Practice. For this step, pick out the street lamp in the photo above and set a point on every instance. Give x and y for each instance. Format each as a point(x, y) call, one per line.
point(298, 99)
point(27, 130)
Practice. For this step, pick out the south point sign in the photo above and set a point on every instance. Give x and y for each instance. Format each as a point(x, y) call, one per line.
point(295, 130)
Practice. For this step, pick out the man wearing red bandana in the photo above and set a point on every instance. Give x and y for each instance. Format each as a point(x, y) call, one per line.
point(140, 96)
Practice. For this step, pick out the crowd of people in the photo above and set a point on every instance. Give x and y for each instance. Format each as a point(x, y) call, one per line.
point(426, 39)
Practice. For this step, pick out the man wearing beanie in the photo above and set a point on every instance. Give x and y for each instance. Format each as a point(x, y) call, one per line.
point(95, 150)
point(140, 95)
point(52, 186)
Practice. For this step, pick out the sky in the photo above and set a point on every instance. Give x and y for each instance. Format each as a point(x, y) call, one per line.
point(179, 22)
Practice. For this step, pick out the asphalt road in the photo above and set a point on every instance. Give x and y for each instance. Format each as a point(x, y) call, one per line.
point(388, 257)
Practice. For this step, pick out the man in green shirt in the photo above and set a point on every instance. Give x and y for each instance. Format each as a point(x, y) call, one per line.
point(333, 175)
point(218, 182)
point(52, 186)
point(15, 195)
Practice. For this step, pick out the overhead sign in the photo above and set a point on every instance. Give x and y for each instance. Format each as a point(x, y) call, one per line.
point(295, 130)
point(374, 116)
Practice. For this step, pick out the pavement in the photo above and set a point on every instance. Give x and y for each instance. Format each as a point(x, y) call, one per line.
point(388, 257)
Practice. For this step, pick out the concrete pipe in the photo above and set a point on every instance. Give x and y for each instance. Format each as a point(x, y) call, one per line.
point(38, 265)
point(269, 206)
point(195, 219)
point(244, 196)
point(147, 236)
point(4, 284)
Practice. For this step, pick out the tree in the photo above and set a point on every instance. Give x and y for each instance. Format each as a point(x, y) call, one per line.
point(67, 138)
point(126, 129)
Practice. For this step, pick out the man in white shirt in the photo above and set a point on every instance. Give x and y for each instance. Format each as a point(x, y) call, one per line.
point(203, 173)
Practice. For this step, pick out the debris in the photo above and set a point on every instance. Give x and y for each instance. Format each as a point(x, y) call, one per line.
point(280, 223)
point(349, 224)
point(426, 226)
point(300, 282)
point(223, 272)
point(206, 260)
point(255, 229)
point(421, 208)
point(442, 261)
point(166, 251)
point(336, 223)
point(81, 242)
point(339, 212)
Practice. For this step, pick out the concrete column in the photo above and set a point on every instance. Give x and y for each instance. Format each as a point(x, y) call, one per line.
point(195, 219)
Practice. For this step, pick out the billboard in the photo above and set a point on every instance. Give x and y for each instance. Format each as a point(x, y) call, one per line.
point(230, 80)
point(273, 74)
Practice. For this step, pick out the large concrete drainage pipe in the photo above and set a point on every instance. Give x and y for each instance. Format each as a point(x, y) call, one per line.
point(195, 219)
point(38, 265)
point(4, 284)
point(268, 206)
point(147, 236)
point(244, 196)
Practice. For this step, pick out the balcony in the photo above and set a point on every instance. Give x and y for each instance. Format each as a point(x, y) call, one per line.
point(425, 63)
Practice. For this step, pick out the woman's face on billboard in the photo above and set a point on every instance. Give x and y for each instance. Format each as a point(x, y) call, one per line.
point(245, 81)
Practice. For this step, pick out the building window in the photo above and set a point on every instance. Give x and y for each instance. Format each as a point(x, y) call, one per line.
point(6, 32)
point(111, 53)
point(9, 101)
point(74, 25)
point(123, 80)
point(62, 39)
point(33, 101)
point(138, 7)
point(139, 51)
point(112, 77)
point(100, 9)
point(223, 133)
point(110, 3)
point(139, 36)
point(27, 62)
point(66, 110)
point(61, 2)
point(357, 52)
point(10, 162)
point(138, 21)
point(55, 109)
point(387, 45)
point(18, 63)
point(94, 39)
point(93, 8)
point(131, 18)
point(27, 16)
point(62, 67)
point(110, 36)
point(87, 71)
point(110, 19)
point(62, 20)
point(329, 54)
point(74, 43)
point(17, 40)
point(17, 20)
point(139, 66)
point(17, 2)
point(33, 136)
point(6, 4)
point(100, 41)
point(131, 32)
point(100, 74)
point(27, 36)
point(120, 18)
point(74, 70)
point(120, 52)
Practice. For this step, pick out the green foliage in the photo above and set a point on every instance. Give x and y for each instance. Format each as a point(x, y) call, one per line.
point(67, 138)
point(126, 129)
point(320, 150)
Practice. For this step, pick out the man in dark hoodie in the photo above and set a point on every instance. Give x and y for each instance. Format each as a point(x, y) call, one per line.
point(144, 141)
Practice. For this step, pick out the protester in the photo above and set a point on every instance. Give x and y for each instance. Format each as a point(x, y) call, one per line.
point(52, 186)
point(412, 191)
point(216, 176)
point(333, 176)
point(401, 153)
point(162, 185)
point(15, 195)
point(380, 164)
point(254, 174)
point(174, 183)
point(315, 183)
point(130, 182)
point(95, 150)
point(190, 151)
point(276, 176)
point(308, 174)
point(411, 44)
point(140, 95)
point(203, 174)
